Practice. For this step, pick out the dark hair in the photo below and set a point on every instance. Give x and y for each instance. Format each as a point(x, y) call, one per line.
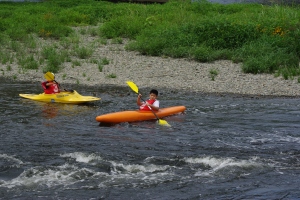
point(154, 92)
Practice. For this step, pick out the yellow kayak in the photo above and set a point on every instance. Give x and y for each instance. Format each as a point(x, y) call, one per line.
point(63, 97)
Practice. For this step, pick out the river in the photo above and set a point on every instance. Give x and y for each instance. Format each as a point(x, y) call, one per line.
point(223, 147)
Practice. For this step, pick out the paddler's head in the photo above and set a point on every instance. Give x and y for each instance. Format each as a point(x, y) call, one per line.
point(153, 94)
point(49, 76)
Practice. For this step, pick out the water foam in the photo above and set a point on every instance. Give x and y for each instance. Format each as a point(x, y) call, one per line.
point(37, 177)
point(82, 157)
point(11, 159)
point(123, 174)
point(214, 165)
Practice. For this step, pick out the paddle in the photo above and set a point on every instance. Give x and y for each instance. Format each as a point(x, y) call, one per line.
point(50, 77)
point(133, 86)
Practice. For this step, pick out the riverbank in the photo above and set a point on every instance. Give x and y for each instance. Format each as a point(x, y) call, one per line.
point(165, 74)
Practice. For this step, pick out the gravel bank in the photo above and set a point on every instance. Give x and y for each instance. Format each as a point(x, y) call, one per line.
point(161, 73)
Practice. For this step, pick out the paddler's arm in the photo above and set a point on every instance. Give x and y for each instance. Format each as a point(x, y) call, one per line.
point(152, 107)
point(49, 83)
point(138, 100)
point(46, 84)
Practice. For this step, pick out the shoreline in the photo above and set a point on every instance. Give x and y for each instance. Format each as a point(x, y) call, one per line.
point(165, 74)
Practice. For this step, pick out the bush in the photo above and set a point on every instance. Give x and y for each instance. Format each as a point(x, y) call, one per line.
point(123, 26)
point(267, 55)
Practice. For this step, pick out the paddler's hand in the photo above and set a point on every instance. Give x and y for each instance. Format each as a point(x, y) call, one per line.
point(49, 83)
point(138, 100)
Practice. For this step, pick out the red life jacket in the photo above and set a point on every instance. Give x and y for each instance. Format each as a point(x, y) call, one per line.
point(144, 107)
point(51, 89)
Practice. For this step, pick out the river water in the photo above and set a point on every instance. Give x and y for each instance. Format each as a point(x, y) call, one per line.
point(221, 148)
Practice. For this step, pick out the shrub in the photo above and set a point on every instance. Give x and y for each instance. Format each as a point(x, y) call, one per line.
point(123, 26)
point(28, 63)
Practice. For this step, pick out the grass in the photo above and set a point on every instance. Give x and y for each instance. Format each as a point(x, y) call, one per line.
point(53, 57)
point(83, 52)
point(28, 63)
point(213, 73)
point(104, 61)
point(112, 75)
point(76, 63)
point(265, 39)
point(100, 67)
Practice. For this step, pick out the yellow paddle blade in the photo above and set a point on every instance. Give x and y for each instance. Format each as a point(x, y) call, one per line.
point(133, 86)
point(163, 122)
point(49, 76)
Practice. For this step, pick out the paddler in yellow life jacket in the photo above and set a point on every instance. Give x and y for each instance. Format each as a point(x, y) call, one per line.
point(50, 86)
point(151, 104)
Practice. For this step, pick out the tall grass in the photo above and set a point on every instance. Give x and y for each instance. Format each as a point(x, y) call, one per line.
point(264, 38)
point(28, 62)
point(53, 57)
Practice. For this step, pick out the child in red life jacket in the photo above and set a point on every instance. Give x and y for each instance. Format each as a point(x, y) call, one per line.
point(51, 86)
point(151, 104)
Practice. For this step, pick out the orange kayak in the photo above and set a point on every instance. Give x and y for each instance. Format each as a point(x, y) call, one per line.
point(136, 115)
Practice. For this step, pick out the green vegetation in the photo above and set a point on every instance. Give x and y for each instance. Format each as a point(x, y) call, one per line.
point(76, 63)
point(112, 75)
point(213, 73)
point(83, 52)
point(265, 39)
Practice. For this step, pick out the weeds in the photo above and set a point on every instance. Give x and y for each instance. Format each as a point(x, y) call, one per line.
point(100, 67)
point(103, 41)
point(54, 59)
point(5, 57)
point(117, 40)
point(93, 32)
point(83, 52)
point(28, 63)
point(76, 63)
point(104, 61)
point(112, 75)
point(213, 73)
